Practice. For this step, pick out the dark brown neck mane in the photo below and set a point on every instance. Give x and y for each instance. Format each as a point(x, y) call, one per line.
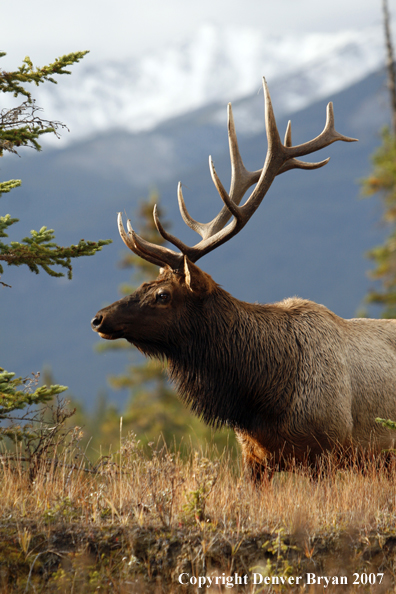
point(214, 382)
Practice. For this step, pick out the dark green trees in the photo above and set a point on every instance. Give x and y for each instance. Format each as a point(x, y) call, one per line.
point(382, 181)
point(22, 126)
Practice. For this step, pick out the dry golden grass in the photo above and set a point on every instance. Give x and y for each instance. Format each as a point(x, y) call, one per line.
point(140, 519)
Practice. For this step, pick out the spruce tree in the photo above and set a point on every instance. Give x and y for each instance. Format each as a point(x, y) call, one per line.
point(382, 181)
point(22, 126)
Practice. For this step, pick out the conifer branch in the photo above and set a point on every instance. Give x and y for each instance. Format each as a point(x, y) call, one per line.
point(22, 126)
point(39, 250)
point(12, 398)
point(19, 127)
point(12, 82)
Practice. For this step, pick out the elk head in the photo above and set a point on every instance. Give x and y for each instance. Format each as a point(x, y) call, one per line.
point(146, 317)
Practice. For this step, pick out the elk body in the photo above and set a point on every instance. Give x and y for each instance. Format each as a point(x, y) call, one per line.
point(292, 378)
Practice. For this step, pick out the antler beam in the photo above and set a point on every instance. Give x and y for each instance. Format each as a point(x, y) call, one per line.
point(280, 158)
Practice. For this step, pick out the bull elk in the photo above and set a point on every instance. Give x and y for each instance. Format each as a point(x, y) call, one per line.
point(292, 378)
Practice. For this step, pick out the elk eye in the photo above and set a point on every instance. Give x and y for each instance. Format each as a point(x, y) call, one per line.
point(163, 297)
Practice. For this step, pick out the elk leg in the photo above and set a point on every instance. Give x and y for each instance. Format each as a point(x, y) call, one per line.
point(256, 460)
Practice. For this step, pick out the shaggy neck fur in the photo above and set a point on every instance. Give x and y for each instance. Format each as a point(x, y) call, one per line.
point(227, 364)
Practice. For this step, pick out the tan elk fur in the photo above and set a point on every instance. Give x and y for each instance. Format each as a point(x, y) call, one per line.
point(292, 378)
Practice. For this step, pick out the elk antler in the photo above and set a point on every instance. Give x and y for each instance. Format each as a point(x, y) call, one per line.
point(280, 158)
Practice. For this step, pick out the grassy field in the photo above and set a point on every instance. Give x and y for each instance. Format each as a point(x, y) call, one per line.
point(152, 520)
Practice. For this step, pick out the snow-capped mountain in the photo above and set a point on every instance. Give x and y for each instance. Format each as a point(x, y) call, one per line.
point(217, 65)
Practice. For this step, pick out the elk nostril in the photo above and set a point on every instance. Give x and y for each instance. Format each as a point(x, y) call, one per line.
point(96, 322)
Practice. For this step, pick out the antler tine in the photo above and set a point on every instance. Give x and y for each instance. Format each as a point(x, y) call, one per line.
point(157, 255)
point(230, 205)
point(205, 230)
point(128, 239)
point(168, 236)
point(187, 218)
point(295, 163)
point(241, 178)
point(158, 252)
point(328, 135)
point(241, 181)
point(273, 138)
point(124, 236)
point(288, 135)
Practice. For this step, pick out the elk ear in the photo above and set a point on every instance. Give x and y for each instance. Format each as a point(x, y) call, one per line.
point(196, 280)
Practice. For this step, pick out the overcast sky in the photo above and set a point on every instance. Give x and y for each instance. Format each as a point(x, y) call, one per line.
point(45, 29)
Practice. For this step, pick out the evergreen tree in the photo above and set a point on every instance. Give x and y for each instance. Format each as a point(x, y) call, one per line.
point(19, 127)
point(153, 408)
point(382, 181)
point(22, 126)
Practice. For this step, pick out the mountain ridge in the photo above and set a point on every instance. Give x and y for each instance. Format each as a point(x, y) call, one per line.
point(218, 64)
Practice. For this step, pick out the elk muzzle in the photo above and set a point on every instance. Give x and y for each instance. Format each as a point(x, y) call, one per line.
point(99, 325)
point(112, 321)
